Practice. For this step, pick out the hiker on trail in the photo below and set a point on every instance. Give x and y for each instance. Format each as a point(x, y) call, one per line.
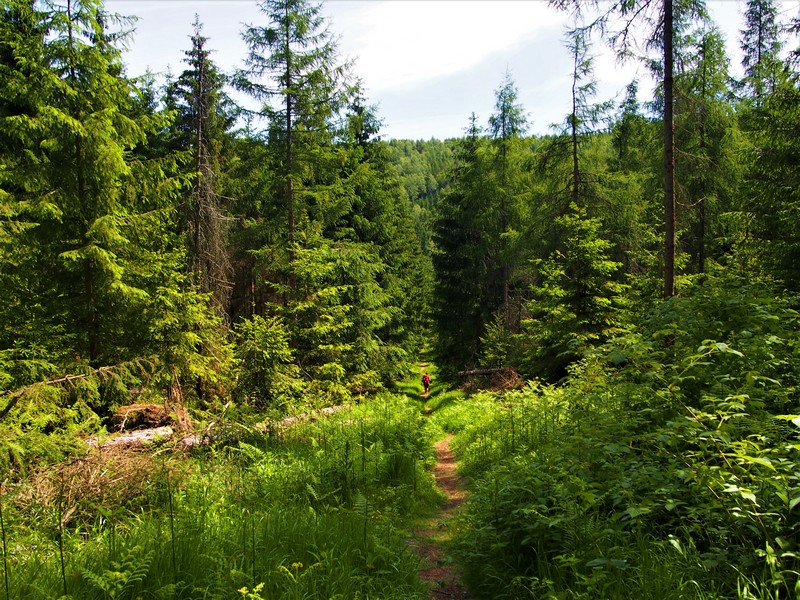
point(426, 382)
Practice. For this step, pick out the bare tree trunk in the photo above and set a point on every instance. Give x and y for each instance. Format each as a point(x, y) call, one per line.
point(289, 165)
point(574, 129)
point(210, 262)
point(669, 155)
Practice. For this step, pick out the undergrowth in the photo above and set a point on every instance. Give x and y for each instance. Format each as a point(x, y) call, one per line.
point(665, 466)
point(309, 510)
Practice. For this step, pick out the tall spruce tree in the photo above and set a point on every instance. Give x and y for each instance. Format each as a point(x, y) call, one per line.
point(772, 182)
point(562, 157)
point(506, 125)
point(567, 161)
point(101, 272)
point(349, 254)
point(761, 45)
point(376, 212)
point(27, 349)
point(203, 115)
point(579, 304)
point(632, 187)
point(292, 67)
point(584, 116)
point(81, 170)
point(705, 132)
point(465, 294)
point(657, 19)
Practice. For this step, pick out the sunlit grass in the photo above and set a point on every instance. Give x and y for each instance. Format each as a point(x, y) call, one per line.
point(333, 495)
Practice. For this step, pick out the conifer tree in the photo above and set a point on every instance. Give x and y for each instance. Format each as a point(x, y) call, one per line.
point(761, 45)
point(576, 185)
point(292, 68)
point(631, 189)
point(506, 125)
point(772, 183)
point(375, 211)
point(102, 265)
point(202, 118)
point(27, 349)
point(579, 303)
point(705, 133)
point(584, 116)
point(657, 19)
point(465, 295)
point(80, 165)
point(258, 234)
point(564, 164)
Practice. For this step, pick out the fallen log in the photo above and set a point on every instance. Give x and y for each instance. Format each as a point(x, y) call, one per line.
point(495, 371)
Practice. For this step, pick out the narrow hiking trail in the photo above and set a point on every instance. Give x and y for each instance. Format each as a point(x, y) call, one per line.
point(429, 540)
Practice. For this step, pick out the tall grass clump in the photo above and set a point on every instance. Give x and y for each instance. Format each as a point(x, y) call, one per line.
point(663, 467)
point(311, 509)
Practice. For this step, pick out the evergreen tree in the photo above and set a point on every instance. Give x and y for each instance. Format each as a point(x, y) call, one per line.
point(292, 68)
point(349, 300)
point(631, 190)
point(584, 116)
point(28, 327)
point(82, 170)
point(571, 163)
point(258, 234)
point(578, 305)
point(627, 130)
point(102, 264)
point(772, 184)
point(465, 295)
point(761, 46)
point(563, 159)
point(202, 117)
point(658, 20)
point(378, 214)
point(706, 136)
point(506, 125)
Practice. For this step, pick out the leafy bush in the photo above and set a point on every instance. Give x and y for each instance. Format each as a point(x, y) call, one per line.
point(665, 466)
point(266, 375)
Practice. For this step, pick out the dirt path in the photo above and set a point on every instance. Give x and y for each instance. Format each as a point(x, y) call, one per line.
point(428, 541)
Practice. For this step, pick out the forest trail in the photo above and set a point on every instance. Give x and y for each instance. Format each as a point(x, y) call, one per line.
point(428, 541)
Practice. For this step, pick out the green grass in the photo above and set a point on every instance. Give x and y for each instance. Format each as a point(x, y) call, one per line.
point(573, 496)
point(332, 495)
point(564, 503)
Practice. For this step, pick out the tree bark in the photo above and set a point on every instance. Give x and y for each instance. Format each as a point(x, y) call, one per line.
point(669, 154)
point(289, 160)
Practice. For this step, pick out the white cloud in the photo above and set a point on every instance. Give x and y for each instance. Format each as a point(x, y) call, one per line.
point(427, 63)
point(399, 44)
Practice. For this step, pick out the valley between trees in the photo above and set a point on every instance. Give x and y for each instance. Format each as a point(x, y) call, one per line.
point(609, 313)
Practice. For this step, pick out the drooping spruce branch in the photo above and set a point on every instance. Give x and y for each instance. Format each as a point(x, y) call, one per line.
point(67, 379)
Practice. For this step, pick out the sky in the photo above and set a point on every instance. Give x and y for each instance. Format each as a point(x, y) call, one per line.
point(426, 65)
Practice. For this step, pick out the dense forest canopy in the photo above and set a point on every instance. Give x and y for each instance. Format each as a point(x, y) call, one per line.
point(158, 242)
